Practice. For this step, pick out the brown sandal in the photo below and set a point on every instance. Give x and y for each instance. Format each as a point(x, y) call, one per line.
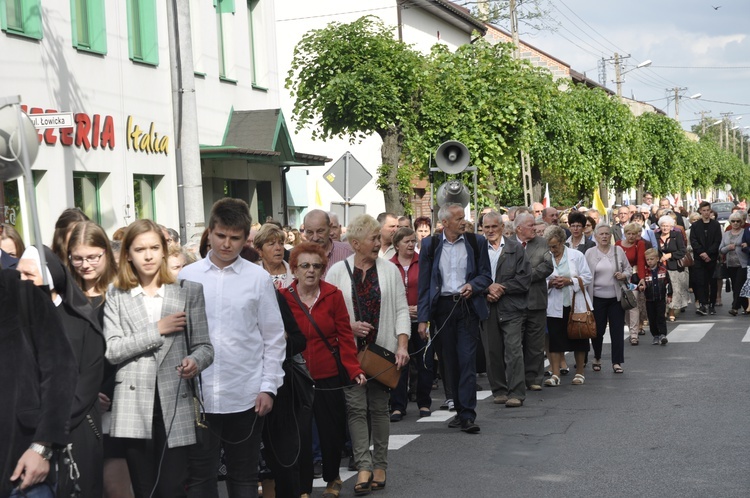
point(333, 489)
point(633, 341)
point(363, 487)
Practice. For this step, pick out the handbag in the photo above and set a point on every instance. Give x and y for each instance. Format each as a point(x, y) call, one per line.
point(686, 261)
point(377, 362)
point(627, 299)
point(343, 374)
point(581, 325)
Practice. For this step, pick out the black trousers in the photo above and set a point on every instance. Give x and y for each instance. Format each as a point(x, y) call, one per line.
point(657, 321)
point(705, 283)
point(329, 410)
point(738, 275)
point(150, 460)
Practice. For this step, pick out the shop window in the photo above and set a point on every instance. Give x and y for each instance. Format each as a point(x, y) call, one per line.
point(89, 27)
point(224, 15)
point(257, 31)
point(86, 195)
point(144, 197)
point(21, 17)
point(142, 33)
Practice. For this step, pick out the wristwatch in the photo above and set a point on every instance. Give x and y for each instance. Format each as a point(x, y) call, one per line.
point(43, 451)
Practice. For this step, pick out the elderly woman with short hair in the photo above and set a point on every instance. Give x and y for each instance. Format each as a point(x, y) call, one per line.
point(635, 250)
point(578, 240)
point(610, 269)
point(374, 295)
point(672, 248)
point(269, 242)
point(736, 259)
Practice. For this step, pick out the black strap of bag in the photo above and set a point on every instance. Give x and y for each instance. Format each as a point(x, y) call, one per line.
point(335, 352)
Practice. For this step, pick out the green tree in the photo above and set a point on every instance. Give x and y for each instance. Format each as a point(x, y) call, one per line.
point(352, 80)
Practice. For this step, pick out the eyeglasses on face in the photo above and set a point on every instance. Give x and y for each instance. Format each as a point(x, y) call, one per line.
point(315, 266)
point(91, 260)
point(735, 221)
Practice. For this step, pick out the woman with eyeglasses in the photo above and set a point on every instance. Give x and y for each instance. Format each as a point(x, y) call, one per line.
point(578, 240)
point(92, 264)
point(331, 357)
point(736, 259)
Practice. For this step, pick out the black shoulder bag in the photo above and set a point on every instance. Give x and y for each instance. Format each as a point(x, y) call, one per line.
point(343, 375)
point(200, 416)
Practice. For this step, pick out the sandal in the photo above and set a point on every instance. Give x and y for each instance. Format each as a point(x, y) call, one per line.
point(617, 368)
point(596, 367)
point(578, 380)
point(363, 487)
point(379, 484)
point(633, 341)
point(333, 488)
point(553, 381)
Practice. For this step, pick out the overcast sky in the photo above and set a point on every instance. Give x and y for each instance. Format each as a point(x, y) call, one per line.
point(682, 34)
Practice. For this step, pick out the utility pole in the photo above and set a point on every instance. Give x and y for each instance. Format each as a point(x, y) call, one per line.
point(514, 28)
point(724, 137)
point(703, 121)
point(677, 91)
point(187, 150)
point(618, 74)
point(528, 192)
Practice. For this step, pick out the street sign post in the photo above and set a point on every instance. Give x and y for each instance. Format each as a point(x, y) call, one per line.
point(52, 120)
point(348, 177)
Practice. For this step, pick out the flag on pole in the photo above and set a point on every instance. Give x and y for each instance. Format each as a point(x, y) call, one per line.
point(318, 202)
point(546, 201)
point(598, 204)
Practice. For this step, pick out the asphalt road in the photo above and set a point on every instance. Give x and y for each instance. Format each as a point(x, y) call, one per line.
point(674, 424)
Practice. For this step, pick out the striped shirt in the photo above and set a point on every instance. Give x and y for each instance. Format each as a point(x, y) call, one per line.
point(339, 252)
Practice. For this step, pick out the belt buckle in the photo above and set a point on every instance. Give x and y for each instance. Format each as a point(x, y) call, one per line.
point(456, 297)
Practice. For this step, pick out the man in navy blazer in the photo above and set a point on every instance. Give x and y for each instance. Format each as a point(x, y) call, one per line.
point(453, 277)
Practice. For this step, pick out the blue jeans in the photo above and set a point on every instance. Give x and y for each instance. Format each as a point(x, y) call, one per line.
point(459, 335)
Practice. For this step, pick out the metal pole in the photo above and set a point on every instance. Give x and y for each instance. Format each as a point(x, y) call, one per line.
point(346, 188)
point(476, 206)
point(28, 180)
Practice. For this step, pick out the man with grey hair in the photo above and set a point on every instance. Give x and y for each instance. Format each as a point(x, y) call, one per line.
point(454, 273)
point(388, 226)
point(502, 332)
point(335, 226)
point(318, 230)
point(535, 316)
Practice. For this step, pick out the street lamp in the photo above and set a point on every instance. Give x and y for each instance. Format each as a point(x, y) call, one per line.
point(619, 73)
point(677, 98)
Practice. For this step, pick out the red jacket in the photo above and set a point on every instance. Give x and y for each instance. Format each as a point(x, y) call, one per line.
point(329, 312)
point(412, 287)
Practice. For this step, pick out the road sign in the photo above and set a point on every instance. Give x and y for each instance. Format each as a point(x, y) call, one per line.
point(347, 176)
point(52, 120)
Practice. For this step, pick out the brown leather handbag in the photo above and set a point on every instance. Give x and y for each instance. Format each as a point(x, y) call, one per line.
point(379, 364)
point(581, 325)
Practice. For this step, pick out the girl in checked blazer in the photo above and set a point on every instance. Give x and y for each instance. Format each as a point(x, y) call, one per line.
point(149, 322)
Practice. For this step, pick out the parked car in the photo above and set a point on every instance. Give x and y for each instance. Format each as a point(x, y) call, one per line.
point(723, 210)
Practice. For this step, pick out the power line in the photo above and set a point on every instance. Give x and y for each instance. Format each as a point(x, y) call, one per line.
point(334, 14)
point(700, 67)
point(590, 27)
point(728, 103)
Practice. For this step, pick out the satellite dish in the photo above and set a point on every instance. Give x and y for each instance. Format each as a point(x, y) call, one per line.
point(10, 143)
point(452, 157)
point(453, 191)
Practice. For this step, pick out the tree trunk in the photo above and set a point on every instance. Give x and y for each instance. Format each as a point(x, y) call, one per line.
point(390, 154)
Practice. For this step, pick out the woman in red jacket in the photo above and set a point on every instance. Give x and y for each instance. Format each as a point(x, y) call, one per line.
point(331, 355)
point(406, 260)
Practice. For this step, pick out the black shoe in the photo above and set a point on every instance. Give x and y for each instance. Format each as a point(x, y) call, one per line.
point(656, 341)
point(711, 309)
point(664, 340)
point(469, 427)
point(317, 470)
point(397, 416)
point(352, 465)
point(455, 422)
point(702, 311)
point(564, 371)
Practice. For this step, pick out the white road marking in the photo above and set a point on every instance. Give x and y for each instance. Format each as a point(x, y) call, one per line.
point(438, 416)
point(747, 336)
point(690, 332)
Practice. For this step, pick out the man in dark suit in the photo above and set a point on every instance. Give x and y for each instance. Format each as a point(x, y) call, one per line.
point(623, 218)
point(39, 379)
point(502, 333)
point(535, 318)
point(453, 276)
point(705, 239)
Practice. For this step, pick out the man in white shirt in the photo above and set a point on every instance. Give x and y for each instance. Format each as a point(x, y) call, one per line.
point(502, 332)
point(247, 332)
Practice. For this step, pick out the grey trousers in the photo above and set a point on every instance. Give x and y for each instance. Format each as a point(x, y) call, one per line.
point(502, 336)
point(534, 328)
point(360, 400)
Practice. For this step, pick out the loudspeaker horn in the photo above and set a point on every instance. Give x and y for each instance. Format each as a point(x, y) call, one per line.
point(10, 143)
point(452, 191)
point(452, 157)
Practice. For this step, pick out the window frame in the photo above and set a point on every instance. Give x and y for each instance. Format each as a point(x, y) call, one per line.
point(153, 182)
point(31, 18)
point(143, 33)
point(95, 25)
point(97, 216)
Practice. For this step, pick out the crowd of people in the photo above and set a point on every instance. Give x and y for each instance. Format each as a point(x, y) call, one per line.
point(161, 368)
